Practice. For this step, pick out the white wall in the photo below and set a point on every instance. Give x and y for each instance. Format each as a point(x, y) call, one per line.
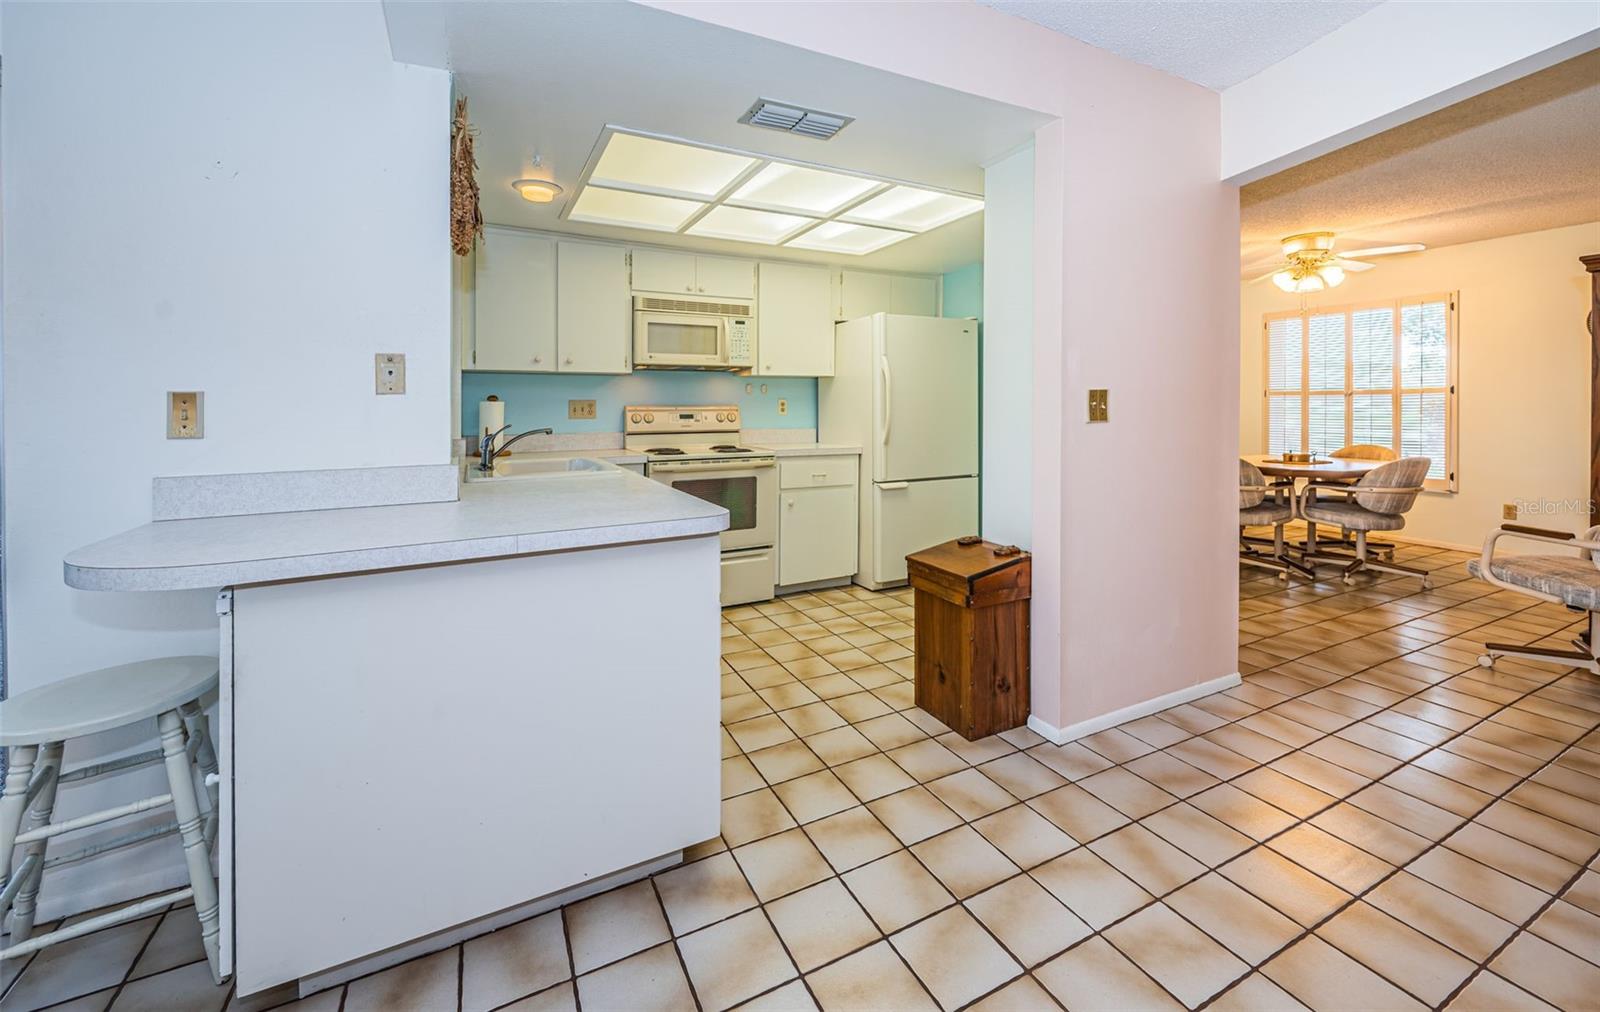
point(1401, 60)
point(1524, 373)
point(245, 199)
point(1008, 349)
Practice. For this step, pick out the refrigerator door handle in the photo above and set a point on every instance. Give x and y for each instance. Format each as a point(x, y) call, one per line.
point(893, 486)
point(888, 398)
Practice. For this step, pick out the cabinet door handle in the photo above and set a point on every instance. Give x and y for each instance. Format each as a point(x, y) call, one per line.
point(537, 359)
point(789, 503)
point(569, 360)
point(893, 486)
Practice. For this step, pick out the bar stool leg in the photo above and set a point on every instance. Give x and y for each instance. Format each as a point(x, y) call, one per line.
point(37, 817)
point(205, 756)
point(19, 770)
point(186, 806)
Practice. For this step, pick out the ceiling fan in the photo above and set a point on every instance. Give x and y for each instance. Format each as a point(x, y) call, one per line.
point(1311, 265)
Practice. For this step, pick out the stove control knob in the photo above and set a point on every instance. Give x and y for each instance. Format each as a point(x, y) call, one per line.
point(733, 416)
point(634, 418)
point(649, 418)
point(721, 417)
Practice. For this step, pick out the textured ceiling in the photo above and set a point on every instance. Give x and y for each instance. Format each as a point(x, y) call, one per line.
point(1216, 43)
point(1519, 158)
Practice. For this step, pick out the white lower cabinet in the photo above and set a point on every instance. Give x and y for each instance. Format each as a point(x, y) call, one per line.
point(817, 519)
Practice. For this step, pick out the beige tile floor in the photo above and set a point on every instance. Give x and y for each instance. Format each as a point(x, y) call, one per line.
point(1370, 821)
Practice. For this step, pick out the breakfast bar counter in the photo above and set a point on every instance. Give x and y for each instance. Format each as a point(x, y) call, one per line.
point(438, 718)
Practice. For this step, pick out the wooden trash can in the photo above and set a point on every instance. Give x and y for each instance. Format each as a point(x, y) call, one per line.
point(972, 635)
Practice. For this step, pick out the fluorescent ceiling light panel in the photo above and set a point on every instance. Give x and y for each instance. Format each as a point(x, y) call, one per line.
point(745, 225)
point(911, 207)
point(843, 237)
point(634, 162)
point(799, 190)
point(635, 210)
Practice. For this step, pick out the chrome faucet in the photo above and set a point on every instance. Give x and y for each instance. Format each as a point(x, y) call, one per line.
point(488, 450)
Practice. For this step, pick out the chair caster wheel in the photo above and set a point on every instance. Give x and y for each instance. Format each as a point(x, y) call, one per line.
point(1427, 584)
point(1350, 581)
point(1485, 660)
point(1284, 577)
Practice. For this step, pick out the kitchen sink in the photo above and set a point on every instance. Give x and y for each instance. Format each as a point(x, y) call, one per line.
point(511, 469)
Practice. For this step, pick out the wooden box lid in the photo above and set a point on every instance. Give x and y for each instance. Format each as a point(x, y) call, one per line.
point(972, 575)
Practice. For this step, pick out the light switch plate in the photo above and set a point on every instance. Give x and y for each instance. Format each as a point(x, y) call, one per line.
point(1509, 511)
point(1099, 405)
point(580, 409)
point(390, 370)
point(186, 414)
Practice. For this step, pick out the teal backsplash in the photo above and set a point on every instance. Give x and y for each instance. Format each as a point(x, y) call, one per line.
point(534, 400)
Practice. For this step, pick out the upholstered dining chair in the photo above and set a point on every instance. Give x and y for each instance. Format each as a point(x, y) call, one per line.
point(1378, 502)
point(1570, 580)
point(1345, 543)
point(1365, 451)
point(1260, 505)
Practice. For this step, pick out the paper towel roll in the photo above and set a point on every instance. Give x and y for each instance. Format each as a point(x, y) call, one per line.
point(491, 418)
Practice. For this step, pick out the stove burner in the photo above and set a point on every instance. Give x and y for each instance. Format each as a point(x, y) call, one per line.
point(726, 448)
point(665, 451)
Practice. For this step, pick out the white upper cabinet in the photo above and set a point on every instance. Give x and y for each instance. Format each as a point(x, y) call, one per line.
point(657, 270)
point(794, 321)
point(725, 278)
point(913, 296)
point(672, 273)
point(593, 308)
point(513, 322)
point(862, 293)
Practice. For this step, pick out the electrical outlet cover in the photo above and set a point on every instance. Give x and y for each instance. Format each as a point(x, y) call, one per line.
point(783, 406)
point(390, 371)
point(580, 409)
point(1509, 511)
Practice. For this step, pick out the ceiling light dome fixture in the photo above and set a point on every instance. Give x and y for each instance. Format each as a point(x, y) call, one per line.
point(537, 191)
point(1308, 278)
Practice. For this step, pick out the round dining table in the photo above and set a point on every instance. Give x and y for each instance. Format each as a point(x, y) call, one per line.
point(1333, 469)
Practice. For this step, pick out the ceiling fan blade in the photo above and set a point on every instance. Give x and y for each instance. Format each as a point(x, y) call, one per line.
point(1263, 277)
point(1382, 251)
point(1353, 265)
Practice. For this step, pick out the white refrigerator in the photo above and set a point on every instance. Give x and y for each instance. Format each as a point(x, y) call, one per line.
point(905, 389)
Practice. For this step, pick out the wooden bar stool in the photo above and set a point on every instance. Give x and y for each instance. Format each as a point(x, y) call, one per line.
point(35, 726)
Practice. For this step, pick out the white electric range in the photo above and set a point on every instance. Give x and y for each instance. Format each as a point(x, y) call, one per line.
point(697, 449)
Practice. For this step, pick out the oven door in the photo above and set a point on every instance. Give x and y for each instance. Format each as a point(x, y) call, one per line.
point(747, 489)
point(679, 339)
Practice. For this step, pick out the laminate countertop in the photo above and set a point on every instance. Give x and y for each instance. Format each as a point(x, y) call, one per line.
point(809, 449)
point(489, 520)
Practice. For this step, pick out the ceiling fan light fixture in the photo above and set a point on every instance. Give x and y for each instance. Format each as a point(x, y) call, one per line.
point(1307, 242)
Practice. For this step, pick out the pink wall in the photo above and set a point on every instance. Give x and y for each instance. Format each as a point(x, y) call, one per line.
point(1150, 586)
point(1135, 288)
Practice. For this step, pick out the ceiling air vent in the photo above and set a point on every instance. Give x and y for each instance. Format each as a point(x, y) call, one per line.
point(795, 119)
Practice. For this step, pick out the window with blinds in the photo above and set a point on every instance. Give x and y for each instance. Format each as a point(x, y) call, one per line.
point(1378, 373)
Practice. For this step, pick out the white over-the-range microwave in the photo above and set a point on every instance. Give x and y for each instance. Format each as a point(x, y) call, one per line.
point(690, 334)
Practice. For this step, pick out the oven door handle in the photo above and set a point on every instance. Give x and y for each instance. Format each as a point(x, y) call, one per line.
point(732, 465)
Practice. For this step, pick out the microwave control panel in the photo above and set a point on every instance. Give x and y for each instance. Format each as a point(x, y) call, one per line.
point(741, 346)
